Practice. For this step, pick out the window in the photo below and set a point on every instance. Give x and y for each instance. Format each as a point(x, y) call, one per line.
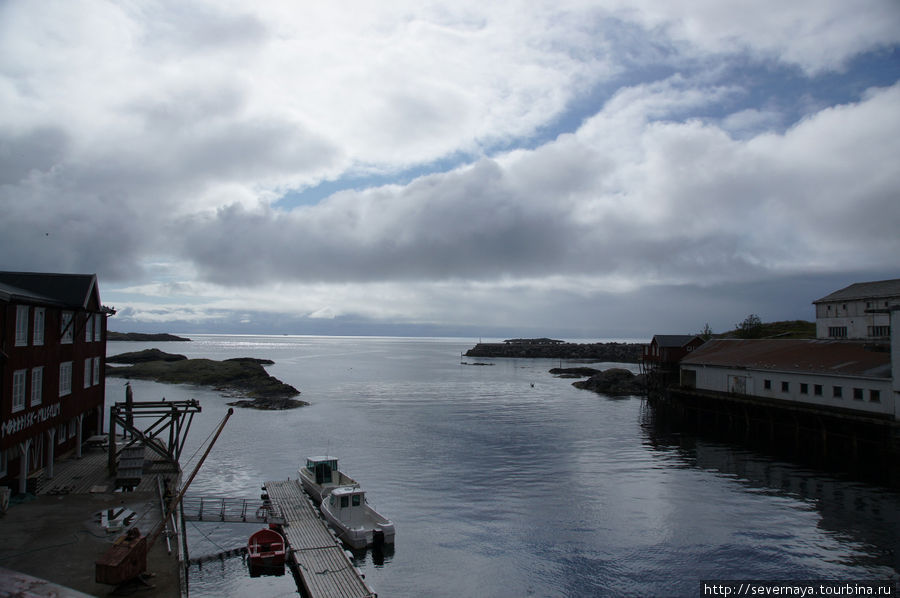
point(89, 329)
point(22, 326)
point(837, 331)
point(88, 368)
point(65, 378)
point(879, 331)
point(837, 392)
point(857, 394)
point(804, 388)
point(18, 393)
point(66, 328)
point(2, 463)
point(96, 371)
point(875, 396)
point(356, 500)
point(60, 433)
point(817, 390)
point(97, 328)
point(345, 502)
point(767, 384)
point(37, 385)
point(39, 314)
point(785, 387)
point(72, 428)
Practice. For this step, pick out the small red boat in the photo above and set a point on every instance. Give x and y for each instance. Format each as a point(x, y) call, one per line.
point(265, 548)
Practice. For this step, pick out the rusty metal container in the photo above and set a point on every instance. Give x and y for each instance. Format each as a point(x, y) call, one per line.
point(125, 560)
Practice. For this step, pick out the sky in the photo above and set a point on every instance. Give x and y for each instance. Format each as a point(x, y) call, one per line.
point(574, 169)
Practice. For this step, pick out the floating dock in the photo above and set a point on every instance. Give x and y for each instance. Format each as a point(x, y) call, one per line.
point(324, 568)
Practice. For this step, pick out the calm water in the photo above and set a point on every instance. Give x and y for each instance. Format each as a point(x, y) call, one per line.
point(505, 481)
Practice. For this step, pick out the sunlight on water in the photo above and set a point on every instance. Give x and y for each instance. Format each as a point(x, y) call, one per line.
point(503, 480)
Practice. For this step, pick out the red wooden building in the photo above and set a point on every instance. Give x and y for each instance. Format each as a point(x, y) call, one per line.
point(52, 360)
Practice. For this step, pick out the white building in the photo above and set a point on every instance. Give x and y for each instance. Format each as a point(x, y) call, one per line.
point(858, 312)
point(842, 376)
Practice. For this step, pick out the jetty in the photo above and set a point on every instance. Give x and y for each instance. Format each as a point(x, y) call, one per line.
point(546, 348)
point(317, 557)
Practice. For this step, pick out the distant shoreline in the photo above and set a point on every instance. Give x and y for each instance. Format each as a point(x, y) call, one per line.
point(143, 337)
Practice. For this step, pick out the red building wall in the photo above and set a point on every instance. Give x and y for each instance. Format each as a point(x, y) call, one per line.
point(54, 411)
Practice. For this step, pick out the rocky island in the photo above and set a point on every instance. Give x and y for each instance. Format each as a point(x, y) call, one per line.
point(142, 337)
point(614, 382)
point(243, 376)
point(555, 349)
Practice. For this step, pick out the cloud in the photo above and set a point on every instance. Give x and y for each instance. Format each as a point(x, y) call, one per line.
point(566, 150)
point(815, 35)
point(629, 192)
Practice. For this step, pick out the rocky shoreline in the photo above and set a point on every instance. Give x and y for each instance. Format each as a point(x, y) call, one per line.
point(244, 376)
point(549, 349)
point(143, 337)
point(614, 382)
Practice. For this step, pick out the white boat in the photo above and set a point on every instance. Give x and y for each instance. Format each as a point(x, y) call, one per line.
point(357, 524)
point(321, 475)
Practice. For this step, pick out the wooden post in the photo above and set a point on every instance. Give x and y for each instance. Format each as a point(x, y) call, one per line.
point(111, 459)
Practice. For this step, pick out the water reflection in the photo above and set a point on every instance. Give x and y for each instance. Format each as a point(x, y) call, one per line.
point(863, 517)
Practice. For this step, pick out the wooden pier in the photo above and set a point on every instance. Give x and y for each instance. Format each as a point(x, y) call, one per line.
point(324, 568)
point(235, 510)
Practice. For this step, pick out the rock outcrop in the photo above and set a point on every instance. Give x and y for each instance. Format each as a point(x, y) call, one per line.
point(615, 382)
point(142, 337)
point(145, 356)
point(523, 348)
point(244, 377)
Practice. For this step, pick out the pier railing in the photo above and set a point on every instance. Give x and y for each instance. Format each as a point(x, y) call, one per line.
point(235, 510)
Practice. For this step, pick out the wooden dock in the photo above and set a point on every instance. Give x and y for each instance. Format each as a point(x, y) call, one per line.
point(325, 569)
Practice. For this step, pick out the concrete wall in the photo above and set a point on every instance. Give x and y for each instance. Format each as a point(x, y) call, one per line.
point(853, 316)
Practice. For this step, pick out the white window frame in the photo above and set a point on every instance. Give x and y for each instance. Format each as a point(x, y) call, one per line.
point(20, 382)
point(67, 327)
point(98, 328)
point(37, 385)
point(40, 316)
point(65, 378)
point(88, 368)
point(22, 325)
point(89, 328)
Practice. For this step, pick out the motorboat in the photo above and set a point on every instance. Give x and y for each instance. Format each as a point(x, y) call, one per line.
point(321, 475)
point(266, 548)
point(357, 524)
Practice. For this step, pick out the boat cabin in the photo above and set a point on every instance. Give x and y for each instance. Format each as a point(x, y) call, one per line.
point(322, 468)
point(345, 501)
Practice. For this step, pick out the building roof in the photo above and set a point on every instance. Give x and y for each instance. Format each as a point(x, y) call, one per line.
point(67, 290)
point(794, 355)
point(673, 340)
point(865, 290)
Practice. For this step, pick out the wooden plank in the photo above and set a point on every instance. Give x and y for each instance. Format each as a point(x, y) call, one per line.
point(324, 567)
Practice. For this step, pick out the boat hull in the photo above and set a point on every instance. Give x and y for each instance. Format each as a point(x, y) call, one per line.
point(266, 548)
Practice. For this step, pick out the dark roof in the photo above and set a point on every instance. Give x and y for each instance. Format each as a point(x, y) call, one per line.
point(865, 290)
point(673, 340)
point(794, 355)
point(68, 290)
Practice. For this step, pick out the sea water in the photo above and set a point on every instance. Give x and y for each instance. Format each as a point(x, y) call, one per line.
point(503, 480)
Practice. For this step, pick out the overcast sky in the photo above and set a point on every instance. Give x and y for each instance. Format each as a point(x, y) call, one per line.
point(576, 169)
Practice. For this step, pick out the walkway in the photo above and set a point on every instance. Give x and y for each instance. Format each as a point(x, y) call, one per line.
point(325, 569)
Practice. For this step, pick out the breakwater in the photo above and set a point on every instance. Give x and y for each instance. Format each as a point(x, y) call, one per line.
point(618, 352)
